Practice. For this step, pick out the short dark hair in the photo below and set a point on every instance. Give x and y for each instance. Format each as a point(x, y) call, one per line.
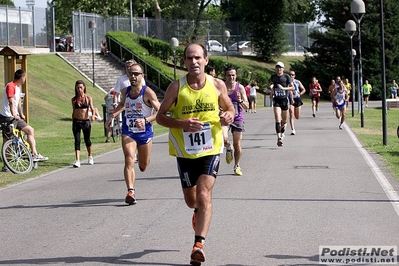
point(209, 69)
point(229, 68)
point(19, 74)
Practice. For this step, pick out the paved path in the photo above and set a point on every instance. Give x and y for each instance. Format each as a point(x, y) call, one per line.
point(319, 189)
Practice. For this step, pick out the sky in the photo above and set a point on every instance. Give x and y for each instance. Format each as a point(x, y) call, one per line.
point(38, 3)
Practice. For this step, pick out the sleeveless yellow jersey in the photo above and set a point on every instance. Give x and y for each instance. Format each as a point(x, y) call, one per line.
point(202, 104)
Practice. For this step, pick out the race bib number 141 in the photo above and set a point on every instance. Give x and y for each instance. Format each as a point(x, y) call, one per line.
point(199, 141)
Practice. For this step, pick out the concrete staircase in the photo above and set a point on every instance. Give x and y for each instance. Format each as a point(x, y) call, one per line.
point(107, 69)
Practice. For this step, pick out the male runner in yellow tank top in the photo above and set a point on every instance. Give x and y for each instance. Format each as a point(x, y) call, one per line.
point(195, 136)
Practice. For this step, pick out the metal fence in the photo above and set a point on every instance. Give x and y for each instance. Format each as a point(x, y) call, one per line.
point(165, 29)
point(23, 26)
point(34, 27)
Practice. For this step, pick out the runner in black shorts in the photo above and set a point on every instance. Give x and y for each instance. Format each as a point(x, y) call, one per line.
point(191, 169)
point(281, 85)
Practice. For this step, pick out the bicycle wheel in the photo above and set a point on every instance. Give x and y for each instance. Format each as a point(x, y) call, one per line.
point(17, 157)
point(116, 132)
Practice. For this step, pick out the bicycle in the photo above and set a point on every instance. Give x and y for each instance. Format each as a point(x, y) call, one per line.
point(116, 129)
point(16, 153)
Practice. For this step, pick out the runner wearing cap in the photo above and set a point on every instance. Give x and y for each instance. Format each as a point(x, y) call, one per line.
point(281, 86)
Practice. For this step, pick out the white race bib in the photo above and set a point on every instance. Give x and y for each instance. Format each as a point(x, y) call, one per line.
point(199, 141)
point(131, 123)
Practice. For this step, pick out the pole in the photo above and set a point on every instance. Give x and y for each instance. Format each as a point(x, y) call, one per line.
point(131, 16)
point(384, 85)
point(353, 78)
point(361, 76)
point(174, 62)
point(92, 53)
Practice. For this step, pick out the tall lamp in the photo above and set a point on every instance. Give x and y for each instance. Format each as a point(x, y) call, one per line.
point(174, 42)
point(92, 27)
point(350, 28)
point(384, 85)
point(358, 10)
point(226, 35)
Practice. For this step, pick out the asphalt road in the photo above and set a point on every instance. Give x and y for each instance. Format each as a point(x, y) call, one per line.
point(320, 188)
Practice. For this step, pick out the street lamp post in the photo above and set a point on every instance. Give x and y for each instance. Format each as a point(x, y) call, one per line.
point(384, 85)
point(174, 42)
point(92, 27)
point(358, 10)
point(226, 38)
point(350, 28)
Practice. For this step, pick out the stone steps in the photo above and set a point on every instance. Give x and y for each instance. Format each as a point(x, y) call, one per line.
point(107, 69)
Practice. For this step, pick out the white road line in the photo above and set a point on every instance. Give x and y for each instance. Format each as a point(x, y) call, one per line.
point(386, 186)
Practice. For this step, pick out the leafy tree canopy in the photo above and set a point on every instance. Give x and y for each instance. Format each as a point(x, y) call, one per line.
point(331, 49)
point(7, 2)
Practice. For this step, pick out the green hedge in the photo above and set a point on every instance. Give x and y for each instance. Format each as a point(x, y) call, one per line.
point(158, 53)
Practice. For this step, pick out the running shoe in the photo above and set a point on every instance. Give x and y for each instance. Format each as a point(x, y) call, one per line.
point(39, 158)
point(76, 164)
point(340, 126)
point(90, 160)
point(130, 198)
point(237, 170)
point(314, 115)
point(279, 142)
point(229, 155)
point(197, 254)
point(193, 220)
point(5, 169)
point(293, 132)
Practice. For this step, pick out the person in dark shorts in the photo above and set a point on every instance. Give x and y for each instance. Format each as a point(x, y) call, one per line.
point(295, 101)
point(195, 137)
point(281, 86)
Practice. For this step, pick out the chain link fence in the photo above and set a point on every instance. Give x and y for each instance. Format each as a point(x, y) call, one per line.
point(23, 26)
point(34, 27)
point(165, 29)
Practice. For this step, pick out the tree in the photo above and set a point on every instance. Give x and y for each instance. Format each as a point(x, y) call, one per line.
point(63, 11)
point(264, 21)
point(7, 2)
point(331, 49)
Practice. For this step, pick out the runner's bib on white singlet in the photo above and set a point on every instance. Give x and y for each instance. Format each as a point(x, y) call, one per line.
point(131, 123)
point(199, 141)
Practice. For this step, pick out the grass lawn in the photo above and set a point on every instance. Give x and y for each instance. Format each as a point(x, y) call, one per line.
point(371, 135)
point(51, 84)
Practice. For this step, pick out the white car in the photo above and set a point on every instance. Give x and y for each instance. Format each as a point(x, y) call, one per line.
point(215, 46)
point(241, 45)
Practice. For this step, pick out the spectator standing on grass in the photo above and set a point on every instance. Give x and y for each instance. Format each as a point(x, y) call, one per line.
point(295, 100)
point(239, 99)
point(314, 93)
point(197, 161)
point(11, 110)
point(394, 89)
point(281, 85)
point(82, 104)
